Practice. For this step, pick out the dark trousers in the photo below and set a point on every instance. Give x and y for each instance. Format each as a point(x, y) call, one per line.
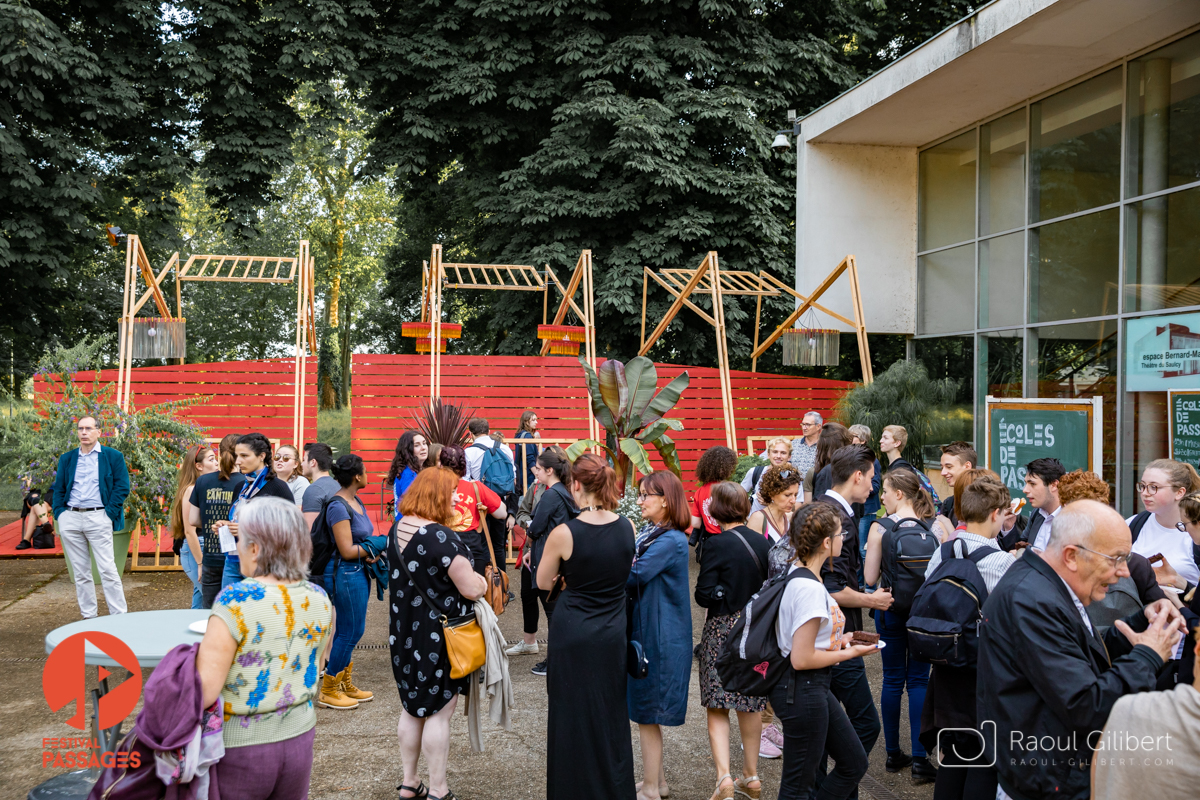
point(479, 553)
point(530, 596)
point(956, 780)
point(211, 570)
point(814, 724)
point(849, 685)
point(498, 529)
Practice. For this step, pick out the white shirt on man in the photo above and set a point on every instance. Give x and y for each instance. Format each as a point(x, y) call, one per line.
point(1043, 535)
point(475, 456)
point(85, 491)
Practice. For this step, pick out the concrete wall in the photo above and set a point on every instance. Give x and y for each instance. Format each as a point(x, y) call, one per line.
point(860, 200)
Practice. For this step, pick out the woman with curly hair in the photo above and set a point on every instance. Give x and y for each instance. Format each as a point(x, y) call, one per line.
point(715, 465)
point(1081, 485)
point(412, 448)
point(778, 491)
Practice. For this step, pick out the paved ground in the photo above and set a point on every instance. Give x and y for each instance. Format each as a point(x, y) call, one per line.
point(356, 751)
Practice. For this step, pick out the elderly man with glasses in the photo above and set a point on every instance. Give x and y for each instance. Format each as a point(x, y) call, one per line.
point(804, 449)
point(90, 488)
point(1047, 680)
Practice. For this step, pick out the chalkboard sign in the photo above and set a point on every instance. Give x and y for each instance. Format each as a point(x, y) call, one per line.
point(1184, 427)
point(1018, 431)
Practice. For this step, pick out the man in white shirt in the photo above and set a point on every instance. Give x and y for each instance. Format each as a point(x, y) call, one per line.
point(479, 429)
point(777, 452)
point(1041, 490)
point(90, 487)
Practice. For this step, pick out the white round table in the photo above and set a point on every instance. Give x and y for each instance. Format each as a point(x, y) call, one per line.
point(150, 635)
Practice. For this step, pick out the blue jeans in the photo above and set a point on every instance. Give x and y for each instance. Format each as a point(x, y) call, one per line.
point(900, 671)
point(864, 526)
point(192, 570)
point(347, 584)
point(232, 572)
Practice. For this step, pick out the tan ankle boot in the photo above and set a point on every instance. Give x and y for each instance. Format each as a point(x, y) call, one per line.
point(352, 691)
point(331, 693)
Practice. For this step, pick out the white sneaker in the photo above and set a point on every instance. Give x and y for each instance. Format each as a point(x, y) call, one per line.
point(522, 649)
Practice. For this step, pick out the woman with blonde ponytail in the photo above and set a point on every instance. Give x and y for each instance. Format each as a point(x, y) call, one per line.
point(1158, 529)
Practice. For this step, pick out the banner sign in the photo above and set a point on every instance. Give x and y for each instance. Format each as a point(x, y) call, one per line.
point(1019, 431)
point(1162, 353)
point(1183, 430)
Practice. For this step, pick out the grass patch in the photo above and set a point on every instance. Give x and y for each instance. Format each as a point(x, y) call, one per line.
point(333, 428)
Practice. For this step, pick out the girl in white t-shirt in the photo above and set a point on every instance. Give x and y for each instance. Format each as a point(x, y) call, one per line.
point(810, 632)
point(1164, 483)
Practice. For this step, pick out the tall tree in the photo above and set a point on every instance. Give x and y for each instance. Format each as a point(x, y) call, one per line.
point(641, 130)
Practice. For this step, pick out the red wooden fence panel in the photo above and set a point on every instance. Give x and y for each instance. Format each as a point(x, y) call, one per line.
point(243, 396)
point(389, 390)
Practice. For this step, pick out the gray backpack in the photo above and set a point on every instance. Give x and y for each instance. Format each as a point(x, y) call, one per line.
point(1121, 601)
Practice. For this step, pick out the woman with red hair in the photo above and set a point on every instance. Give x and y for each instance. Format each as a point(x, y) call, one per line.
point(588, 752)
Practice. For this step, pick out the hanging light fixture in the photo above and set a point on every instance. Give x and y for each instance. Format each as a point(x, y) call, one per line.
point(424, 345)
point(159, 337)
point(809, 345)
point(564, 339)
point(417, 330)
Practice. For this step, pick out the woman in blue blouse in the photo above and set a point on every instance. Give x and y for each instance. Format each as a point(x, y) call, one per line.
point(411, 451)
point(662, 621)
point(527, 429)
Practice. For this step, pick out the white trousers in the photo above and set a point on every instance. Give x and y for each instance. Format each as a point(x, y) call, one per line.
point(80, 532)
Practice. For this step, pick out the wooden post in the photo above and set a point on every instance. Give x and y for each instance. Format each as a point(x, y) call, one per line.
point(722, 352)
point(757, 317)
point(124, 322)
point(297, 390)
point(589, 300)
point(674, 309)
point(645, 285)
point(860, 326)
point(435, 330)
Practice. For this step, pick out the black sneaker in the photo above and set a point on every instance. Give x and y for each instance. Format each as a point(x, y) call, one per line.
point(898, 761)
point(923, 771)
point(24, 544)
point(540, 668)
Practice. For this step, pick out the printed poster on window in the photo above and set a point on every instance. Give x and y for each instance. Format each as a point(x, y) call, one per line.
point(1162, 353)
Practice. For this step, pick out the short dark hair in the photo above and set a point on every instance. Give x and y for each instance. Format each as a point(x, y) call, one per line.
point(730, 503)
point(850, 459)
point(963, 452)
point(716, 464)
point(320, 453)
point(1048, 469)
point(664, 482)
point(478, 426)
point(260, 445)
point(455, 458)
point(347, 468)
point(554, 458)
point(979, 499)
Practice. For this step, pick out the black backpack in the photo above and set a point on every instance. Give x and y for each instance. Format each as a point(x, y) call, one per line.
point(906, 554)
point(943, 623)
point(751, 662)
point(323, 545)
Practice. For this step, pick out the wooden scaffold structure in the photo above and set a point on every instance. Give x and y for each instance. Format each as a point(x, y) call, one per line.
point(709, 279)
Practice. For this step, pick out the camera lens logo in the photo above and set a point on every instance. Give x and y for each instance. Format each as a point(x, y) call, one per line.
point(967, 747)
point(63, 679)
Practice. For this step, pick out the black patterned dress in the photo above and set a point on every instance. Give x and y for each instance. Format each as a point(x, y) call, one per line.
point(419, 599)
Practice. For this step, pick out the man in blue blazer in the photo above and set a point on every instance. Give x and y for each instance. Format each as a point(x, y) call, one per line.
point(89, 504)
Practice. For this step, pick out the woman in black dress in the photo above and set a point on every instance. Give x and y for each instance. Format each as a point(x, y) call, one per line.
point(589, 753)
point(432, 576)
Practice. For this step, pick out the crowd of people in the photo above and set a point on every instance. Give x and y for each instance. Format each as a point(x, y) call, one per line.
point(1032, 649)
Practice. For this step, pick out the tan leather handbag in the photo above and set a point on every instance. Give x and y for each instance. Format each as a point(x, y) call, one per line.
point(496, 594)
point(465, 645)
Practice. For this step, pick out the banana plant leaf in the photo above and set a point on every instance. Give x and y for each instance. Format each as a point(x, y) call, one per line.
point(614, 389)
point(637, 455)
point(665, 399)
point(642, 378)
point(658, 429)
point(583, 445)
point(666, 450)
point(599, 409)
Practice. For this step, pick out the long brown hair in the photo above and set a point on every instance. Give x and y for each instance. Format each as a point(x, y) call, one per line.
point(526, 415)
point(662, 482)
point(189, 470)
point(226, 456)
point(598, 479)
point(908, 484)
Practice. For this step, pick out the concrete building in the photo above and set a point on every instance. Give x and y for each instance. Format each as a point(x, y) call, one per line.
point(1022, 194)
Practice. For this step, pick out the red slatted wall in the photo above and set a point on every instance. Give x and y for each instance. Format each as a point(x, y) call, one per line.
point(244, 396)
point(389, 390)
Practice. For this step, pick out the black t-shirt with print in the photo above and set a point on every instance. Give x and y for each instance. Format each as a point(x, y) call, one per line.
point(213, 497)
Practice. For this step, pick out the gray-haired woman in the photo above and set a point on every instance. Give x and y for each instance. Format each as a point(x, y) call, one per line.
point(262, 655)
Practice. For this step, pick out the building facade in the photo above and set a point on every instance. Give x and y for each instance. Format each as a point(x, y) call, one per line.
point(1022, 194)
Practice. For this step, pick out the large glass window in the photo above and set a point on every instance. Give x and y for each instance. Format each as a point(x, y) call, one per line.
point(1002, 174)
point(1000, 365)
point(1002, 280)
point(947, 280)
point(1164, 118)
point(952, 357)
point(1075, 148)
point(1162, 252)
point(1080, 360)
point(1073, 267)
point(947, 193)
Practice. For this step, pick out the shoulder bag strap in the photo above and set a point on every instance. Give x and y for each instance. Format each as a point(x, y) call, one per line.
point(749, 549)
point(483, 531)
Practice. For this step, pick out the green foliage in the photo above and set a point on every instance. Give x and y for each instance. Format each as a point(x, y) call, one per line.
point(531, 131)
point(153, 439)
point(333, 428)
point(625, 403)
point(903, 395)
point(745, 464)
point(628, 507)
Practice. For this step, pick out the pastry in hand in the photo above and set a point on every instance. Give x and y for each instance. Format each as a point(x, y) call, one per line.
point(862, 637)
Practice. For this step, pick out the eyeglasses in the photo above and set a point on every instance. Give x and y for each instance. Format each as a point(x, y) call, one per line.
point(1117, 561)
point(808, 424)
point(283, 458)
point(1151, 488)
point(644, 495)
